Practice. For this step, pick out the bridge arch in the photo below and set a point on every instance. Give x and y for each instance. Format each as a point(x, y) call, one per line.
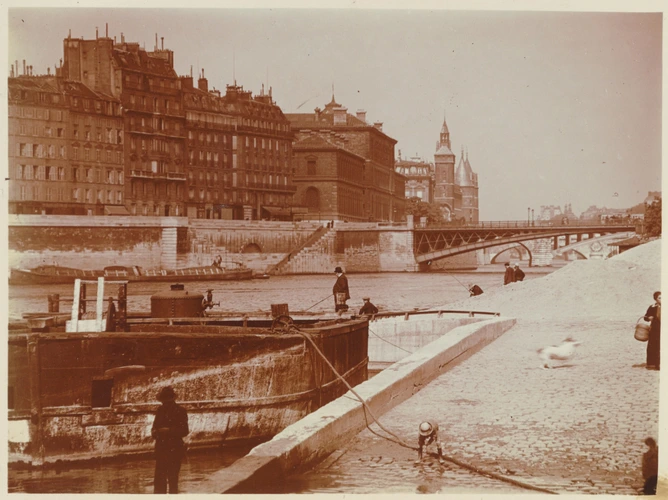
point(519, 244)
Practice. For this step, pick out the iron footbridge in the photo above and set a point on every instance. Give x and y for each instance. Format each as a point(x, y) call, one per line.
point(437, 242)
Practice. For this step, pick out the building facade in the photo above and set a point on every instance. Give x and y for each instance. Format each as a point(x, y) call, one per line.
point(419, 178)
point(65, 154)
point(376, 192)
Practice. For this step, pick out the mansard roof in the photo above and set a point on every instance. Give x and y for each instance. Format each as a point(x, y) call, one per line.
point(323, 120)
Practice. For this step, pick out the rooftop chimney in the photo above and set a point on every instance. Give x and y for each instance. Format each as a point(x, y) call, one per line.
point(70, 34)
point(378, 126)
point(48, 71)
point(202, 83)
point(340, 115)
point(361, 114)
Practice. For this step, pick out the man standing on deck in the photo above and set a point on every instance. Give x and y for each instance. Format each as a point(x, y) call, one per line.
point(340, 291)
point(509, 276)
point(170, 426)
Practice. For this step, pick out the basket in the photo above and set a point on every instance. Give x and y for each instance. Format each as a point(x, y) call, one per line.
point(642, 331)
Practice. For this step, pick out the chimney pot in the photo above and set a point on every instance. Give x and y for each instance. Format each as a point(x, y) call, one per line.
point(378, 126)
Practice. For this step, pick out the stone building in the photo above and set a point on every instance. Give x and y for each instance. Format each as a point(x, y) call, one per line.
point(330, 176)
point(455, 191)
point(419, 177)
point(147, 87)
point(65, 155)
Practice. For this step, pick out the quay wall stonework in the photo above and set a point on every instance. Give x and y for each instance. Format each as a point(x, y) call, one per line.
point(94, 242)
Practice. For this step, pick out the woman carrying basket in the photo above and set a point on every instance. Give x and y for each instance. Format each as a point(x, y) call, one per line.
point(653, 315)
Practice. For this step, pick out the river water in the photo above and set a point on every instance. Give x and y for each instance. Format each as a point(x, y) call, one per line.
point(388, 291)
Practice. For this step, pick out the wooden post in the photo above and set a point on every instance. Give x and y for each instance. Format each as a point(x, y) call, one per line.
point(37, 451)
point(99, 306)
point(74, 325)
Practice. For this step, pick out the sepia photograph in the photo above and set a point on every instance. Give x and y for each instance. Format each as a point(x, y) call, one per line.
point(334, 248)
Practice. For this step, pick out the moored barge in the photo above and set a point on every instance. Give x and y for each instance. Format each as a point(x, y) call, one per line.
point(76, 395)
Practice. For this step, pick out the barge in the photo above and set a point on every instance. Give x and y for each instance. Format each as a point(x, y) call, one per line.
point(58, 275)
point(88, 390)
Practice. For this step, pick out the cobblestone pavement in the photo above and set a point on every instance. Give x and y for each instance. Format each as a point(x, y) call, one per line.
point(579, 428)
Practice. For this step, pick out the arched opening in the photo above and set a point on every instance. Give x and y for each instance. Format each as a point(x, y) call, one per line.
point(312, 199)
point(251, 248)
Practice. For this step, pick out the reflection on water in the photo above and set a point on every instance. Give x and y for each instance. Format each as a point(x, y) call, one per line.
point(124, 475)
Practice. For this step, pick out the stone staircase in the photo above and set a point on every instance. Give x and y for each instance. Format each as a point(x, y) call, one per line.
point(314, 256)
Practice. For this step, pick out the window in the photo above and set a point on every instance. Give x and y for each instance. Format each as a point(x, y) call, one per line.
point(75, 153)
point(119, 196)
point(62, 152)
point(310, 167)
point(19, 171)
point(61, 173)
point(87, 154)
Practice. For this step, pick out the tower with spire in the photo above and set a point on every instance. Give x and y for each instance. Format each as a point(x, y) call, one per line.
point(444, 173)
point(467, 181)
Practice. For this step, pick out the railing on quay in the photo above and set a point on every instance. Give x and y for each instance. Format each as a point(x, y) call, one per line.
point(439, 312)
point(532, 224)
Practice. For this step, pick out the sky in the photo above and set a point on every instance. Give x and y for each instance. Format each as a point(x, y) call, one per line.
point(554, 107)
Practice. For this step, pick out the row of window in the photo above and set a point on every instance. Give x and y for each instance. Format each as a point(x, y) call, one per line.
point(28, 150)
point(111, 135)
point(38, 113)
point(156, 145)
point(154, 104)
point(155, 124)
point(251, 180)
point(79, 174)
point(35, 193)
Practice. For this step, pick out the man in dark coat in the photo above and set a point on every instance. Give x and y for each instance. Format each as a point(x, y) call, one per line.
point(650, 467)
point(368, 307)
point(169, 428)
point(509, 276)
point(653, 315)
point(340, 291)
point(519, 274)
point(474, 290)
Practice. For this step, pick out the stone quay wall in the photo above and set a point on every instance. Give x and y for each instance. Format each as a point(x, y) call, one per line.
point(171, 242)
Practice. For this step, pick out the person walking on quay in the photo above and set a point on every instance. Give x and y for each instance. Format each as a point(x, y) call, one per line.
point(650, 467)
point(509, 276)
point(340, 290)
point(368, 307)
point(519, 274)
point(169, 428)
point(428, 433)
point(474, 290)
point(653, 315)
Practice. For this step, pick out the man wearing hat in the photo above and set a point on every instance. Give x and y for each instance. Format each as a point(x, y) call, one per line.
point(340, 290)
point(519, 274)
point(429, 434)
point(368, 307)
point(170, 426)
point(509, 275)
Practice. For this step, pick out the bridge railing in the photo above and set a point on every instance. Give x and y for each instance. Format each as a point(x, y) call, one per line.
point(535, 223)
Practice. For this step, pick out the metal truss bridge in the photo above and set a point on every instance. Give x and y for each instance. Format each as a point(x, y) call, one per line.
point(436, 242)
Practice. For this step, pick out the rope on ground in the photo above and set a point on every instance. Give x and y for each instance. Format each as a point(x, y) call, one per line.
point(400, 442)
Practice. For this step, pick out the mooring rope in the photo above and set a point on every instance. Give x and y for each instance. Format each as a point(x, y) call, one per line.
point(399, 441)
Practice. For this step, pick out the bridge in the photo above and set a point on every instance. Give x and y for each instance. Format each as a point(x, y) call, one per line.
point(438, 242)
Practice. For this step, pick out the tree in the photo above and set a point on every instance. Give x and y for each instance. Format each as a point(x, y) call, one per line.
point(418, 208)
point(653, 218)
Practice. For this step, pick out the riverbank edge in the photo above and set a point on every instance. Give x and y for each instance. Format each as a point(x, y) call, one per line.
point(308, 441)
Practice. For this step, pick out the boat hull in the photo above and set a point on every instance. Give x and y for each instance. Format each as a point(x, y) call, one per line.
point(80, 396)
point(59, 276)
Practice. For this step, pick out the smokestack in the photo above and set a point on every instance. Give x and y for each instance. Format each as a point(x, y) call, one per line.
point(70, 34)
point(122, 38)
point(106, 30)
point(96, 33)
point(191, 71)
point(162, 43)
point(48, 71)
point(156, 42)
point(24, 66)
point(11, 72)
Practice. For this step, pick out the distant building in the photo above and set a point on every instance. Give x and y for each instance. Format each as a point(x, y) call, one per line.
point(344, 167)
point(456, 192)
point(419, 178)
